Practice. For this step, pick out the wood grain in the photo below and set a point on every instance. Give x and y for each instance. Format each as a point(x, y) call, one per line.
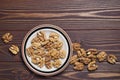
point(74, 15)
point(21, 72)
point(93, 23)
point(103, 41)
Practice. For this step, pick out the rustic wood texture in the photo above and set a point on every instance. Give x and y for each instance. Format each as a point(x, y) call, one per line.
point(94, 23)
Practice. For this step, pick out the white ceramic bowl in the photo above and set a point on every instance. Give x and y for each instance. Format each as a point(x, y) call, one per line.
point(63, 36)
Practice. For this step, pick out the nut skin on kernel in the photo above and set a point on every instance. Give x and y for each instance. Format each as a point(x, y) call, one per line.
point(111, 59)
point(7, 37)
point(14, 49)
point(92, 66)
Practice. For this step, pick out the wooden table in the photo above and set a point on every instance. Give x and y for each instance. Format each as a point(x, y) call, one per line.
point(94, 23)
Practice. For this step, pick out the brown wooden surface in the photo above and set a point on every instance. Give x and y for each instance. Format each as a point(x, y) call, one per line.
point(94, 23)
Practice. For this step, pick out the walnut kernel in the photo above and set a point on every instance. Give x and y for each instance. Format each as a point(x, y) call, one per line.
point(14, 49)
point(92, 66)
point(7, 37)
point(111, 58)
point(78, 66)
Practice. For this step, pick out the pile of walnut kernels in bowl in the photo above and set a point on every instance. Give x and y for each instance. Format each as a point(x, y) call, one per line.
point(79, 60)
point(46, 52)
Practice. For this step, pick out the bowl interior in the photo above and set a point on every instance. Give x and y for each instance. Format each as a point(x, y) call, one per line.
point(47, 31)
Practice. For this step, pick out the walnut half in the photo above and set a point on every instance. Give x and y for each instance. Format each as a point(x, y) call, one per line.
point(73, 59)
point(78, 66)
point(7, 37)
point(92, 66)
point(76, 46)
point(14, 49)
point(57, 63)
point(102, 56)
point(111, 58)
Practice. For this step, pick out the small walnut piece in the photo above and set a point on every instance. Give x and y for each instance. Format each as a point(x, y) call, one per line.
point(35, 59)
point(76, 46)
point(62, 54)
point(53, 36)
point(92, 57)
point(92, 51)
point(7, 37)
point(78, 66)
point(41, 62)
point(57, 63)
point(111, 58)
point(92, 66)
point(48, 64)
point(47, 57)
point(85, 60)
point(14, 49)
point(81, 52)
point(36, 45)
point(54, 54)
point(73, 59)
point(41, 36)
point(35, 40)
point(30, 51)
point(102, 56)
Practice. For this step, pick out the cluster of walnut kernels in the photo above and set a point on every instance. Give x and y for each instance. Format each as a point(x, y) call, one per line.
point(7, 37)
point(49, 52)
point(46, 52)
point(89, 57)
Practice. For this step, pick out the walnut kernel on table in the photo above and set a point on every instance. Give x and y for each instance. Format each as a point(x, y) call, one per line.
point(92, 51)
point(76, 46)
point(111, 58)
point(81, 52)
point(85, 60)
point(73, 59)
point(78, 66)
point(7, 37)
point(92, 57)
point(101, 56)
point(14, 49)
point(92, 66)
